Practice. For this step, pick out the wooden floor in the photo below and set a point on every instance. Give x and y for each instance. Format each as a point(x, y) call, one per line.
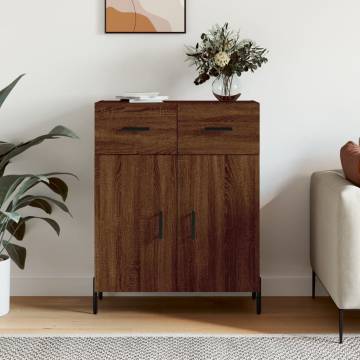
point(216, 315)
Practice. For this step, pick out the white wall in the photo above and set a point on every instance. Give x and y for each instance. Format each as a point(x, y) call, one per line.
point(308, 91)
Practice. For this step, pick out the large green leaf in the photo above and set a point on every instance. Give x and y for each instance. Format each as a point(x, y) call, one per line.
point(18, 185)
point(51, 222)
point(27, 184)
point(33, 201)
point(5, 92)
point(5, 147)
point(61, 130)
point(2, 170)
point(18, 230)
point(11, 215)
point(60, 173)
point(54, 183)
point(59, 187)
point(8, 184)
point(17, 254)
point(57, 132)
point(27, 200)
point(3, 223)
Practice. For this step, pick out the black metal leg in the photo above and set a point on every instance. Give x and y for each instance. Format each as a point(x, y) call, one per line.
point(313, 284)
point(95, 299)
point(341, 325)
point(258, 299)
point(253, 295)
point(100, 295)
point(258, 303)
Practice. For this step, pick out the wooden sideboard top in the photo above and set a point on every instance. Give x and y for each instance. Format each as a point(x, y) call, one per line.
point(245, 102)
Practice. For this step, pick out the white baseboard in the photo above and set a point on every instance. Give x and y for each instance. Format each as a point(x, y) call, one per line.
point(296, 285)
point(82, 286)
point(51, 286)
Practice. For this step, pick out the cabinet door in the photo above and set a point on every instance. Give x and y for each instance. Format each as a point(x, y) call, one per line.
point(135, 222)
point(218, 234)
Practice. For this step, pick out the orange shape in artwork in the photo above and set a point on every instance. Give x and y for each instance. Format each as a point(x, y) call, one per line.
point(117, 21)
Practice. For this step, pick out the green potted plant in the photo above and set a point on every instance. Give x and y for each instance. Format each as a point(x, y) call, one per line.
point(16, 193)
point(222, 55)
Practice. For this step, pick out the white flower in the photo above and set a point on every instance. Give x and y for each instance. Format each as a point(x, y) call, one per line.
point(245, 42)
point(222, 59)
point(229, 44)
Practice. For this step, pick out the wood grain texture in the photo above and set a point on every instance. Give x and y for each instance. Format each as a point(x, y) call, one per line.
point(174, 315)
point(112, 119)
point(131, 191)
point(218, 180)
point(223, 193)
point(198, 123)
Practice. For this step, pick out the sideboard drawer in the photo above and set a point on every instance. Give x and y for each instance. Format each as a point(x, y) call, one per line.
point(219, 128)
point(123, 128)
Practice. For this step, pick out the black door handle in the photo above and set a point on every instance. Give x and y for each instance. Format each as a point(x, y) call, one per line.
point(161, 225)
point(135, 128)
point(218, 128)
point(193, 225)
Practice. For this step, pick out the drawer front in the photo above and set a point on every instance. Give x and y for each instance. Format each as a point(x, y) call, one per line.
point(123, 128)
point(219, 128)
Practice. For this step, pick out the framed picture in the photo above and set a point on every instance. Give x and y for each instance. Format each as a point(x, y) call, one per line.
point(145, 16)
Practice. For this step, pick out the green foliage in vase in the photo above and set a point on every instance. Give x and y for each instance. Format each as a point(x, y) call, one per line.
point(16, 191)
point(221, 52)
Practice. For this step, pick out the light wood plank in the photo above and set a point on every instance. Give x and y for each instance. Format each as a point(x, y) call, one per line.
point(205, 315)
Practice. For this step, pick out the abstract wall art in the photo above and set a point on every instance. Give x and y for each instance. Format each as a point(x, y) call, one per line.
point(145, 16)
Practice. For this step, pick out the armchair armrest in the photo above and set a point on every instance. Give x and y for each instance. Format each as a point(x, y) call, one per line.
point(335, 236)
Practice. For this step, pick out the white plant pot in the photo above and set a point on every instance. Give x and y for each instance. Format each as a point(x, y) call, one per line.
point(4, 285)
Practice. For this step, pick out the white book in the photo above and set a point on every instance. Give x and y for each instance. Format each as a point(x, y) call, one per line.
point(142, 94)
point(162, 97)
point(139, 101)
point(137, 95)
point(154, 98)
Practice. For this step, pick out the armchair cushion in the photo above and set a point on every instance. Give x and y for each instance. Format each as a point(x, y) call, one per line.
point(350, 161)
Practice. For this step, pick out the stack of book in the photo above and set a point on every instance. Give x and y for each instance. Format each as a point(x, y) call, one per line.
point(142, 97)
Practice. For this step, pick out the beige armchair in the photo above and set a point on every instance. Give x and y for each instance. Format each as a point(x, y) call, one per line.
point(335, 239)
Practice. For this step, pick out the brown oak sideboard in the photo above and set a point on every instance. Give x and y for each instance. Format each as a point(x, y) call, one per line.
point(177, 197)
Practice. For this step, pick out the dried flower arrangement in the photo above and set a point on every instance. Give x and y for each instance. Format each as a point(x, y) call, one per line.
point(221, 54)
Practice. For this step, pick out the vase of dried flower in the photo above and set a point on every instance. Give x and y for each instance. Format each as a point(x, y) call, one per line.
point(226, 88)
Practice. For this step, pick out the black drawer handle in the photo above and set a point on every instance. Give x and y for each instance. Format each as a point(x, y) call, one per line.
point(135, 128)
point(161, 225)
point(193, 225)
point(214, 128)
